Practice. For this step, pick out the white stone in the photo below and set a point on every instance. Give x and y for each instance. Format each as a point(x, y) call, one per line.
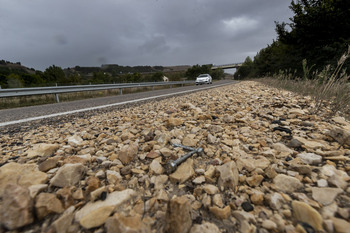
point(310, 158)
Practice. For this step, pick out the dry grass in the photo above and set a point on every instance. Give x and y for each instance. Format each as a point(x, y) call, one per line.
point(328, 88)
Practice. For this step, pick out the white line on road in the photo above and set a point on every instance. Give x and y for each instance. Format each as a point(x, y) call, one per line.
point(102, 106)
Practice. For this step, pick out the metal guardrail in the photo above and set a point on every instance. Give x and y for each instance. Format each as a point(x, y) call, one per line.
point(56, 90)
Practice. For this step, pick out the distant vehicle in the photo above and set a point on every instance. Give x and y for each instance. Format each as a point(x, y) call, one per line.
point(204, 78)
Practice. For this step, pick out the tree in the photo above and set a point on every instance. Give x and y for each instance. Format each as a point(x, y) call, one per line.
point(54, 74)
point(246, 70)
point(14, 81)
point(156, 77)
point(196, 70)
point(318, 32)
point(217, 74)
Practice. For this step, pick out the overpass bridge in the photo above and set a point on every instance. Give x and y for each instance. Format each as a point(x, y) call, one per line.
point(227, 66)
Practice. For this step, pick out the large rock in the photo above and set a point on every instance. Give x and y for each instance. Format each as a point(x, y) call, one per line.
point(340, 225)
point(75, 140)
point(62, 224)
point(251, 164)
point(16, 209)
point(68, 175)
point(310, 158)
point(47, 203)
point(342, 136)
point(228, 175)
point(310, 144)
point(21, 174)
point(42, 149)
point(305, 213)
point(156, 167)
point(221, 213)
point(128, 153)
point(336, 177)
point(286, 183)
point(122, 224)
point(325, 196)
point(184, 172)
point(178, 215)
point(94, 214)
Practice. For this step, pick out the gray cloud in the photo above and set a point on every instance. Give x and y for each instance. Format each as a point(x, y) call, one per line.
point(67, 33)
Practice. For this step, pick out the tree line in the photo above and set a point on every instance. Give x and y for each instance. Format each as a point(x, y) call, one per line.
point(13, 75)
point(316, 36)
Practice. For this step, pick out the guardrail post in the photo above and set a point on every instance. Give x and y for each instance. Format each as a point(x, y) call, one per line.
point(121, 91)
point(152, 88)
point(57, 98)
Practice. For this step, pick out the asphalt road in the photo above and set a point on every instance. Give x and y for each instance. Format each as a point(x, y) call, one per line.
point(9, 117)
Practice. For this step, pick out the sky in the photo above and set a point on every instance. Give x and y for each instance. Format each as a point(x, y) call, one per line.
point(68, 33)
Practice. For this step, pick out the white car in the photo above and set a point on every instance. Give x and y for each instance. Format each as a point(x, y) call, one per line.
point(204, 78)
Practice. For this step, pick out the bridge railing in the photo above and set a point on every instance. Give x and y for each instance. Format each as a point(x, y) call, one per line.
point(234, 65)
point(56, 90)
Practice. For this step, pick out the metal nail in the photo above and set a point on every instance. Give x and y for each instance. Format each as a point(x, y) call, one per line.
point(172, 165)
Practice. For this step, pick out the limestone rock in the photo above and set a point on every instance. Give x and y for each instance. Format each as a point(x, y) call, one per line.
point(325, 196)
point(75, 140)
point(286, 183)
point(62, 224)
point(128, 153)
point(305, 213)
point(47, 203)
point(251, 164)
point(178, 215)
point(342, 136)
point(310, 158)
point(228, 175)
point(122, 224)
point(340, 225)
point(184, 172)
point(48, 164)
point(205, 227)
point(210, 189)
point(310, 144)
point(190, 140)
point(166, 152)
point(94, 214)
point(275, 200)
point(215, 129)
point(68, 175)
point(172, 122)
point(221, 213)
point(156, 167)
point(16, 209)
point(42, 149)
point(254, 180)
point(21, 174)
point(199, 180)
point(269, 225)
point(35, 189)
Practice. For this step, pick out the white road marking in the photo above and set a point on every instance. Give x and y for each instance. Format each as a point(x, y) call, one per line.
point(102, 106)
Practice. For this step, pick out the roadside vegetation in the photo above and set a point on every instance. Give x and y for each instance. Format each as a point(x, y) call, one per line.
point(308, 55)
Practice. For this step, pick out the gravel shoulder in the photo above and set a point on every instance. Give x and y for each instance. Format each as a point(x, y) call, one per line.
point(268, 165)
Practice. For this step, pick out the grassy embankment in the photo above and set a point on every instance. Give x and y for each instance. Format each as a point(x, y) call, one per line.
point(329, 88)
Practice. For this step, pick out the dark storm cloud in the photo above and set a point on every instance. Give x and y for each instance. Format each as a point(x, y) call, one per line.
point(66, 33)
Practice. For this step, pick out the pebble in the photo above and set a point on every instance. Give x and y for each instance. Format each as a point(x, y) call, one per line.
point(268, 165)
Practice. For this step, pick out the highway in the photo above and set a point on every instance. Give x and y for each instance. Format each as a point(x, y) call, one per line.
point(10, 117)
